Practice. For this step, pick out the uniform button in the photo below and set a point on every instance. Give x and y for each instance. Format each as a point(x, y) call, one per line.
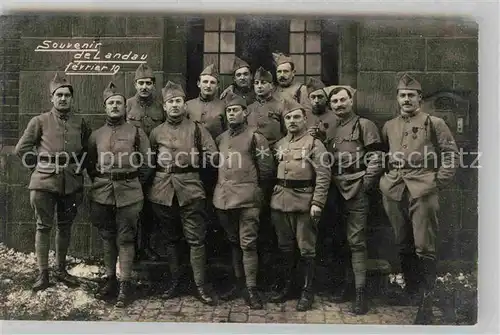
point(203, 122)
point(406, 133)
point(66, 142)
point(174, 149)
point(204, 113)
point(229, 147)
point(287, 161)
point(286, 171)
point(405, 146)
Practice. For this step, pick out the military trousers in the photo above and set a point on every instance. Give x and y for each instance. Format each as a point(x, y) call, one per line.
point(116, 223)
point(46, 205)
point(241, 226)
point(295, 229)
point(415, 223)
point(192, 226)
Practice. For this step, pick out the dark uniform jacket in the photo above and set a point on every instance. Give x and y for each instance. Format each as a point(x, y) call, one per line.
point(266, 116)
point(409, 138)
point(247, 164)
point(176, 147)
point(115, 148)
point(301, 158)
point(146, 114)
point(349, 141)
point(210, 113)
point(54, 133)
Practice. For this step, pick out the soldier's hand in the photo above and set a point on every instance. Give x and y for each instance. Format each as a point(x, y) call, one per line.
point(226, 91)
point(315, 212)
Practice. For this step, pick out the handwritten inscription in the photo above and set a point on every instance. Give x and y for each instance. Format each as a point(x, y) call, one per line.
point(88, 60)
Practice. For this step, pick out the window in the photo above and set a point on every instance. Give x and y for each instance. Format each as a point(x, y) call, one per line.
point(305, 48)
point(219, 43)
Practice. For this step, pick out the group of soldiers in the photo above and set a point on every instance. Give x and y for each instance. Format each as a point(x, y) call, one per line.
point(305, 160)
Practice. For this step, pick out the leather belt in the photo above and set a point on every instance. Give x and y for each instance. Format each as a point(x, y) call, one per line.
point(63, 159)
point(429, 164)
point(118, 175)
point(336, 170)
point(178, 169)
point(295, 183)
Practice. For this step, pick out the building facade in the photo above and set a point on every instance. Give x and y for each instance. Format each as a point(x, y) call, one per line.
point(369, 54)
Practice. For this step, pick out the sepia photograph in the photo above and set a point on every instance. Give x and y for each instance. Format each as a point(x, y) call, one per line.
point(252, 169)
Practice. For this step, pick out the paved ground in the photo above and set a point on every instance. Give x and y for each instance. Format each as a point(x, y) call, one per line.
point(188, 309)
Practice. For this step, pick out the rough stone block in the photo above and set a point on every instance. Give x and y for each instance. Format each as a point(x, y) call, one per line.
point(19, 206)
point(17, 174)
point(99, 26)
point(48, 26)
point(34, 92)
point(21, 236)
point(175, 55)
point(417, 27)
point(150, 50)
point(89, 89)
point(391, 54)
point(466, 81)
point(32, 60)
point(147, 26)
point(460, 54)
point(376, 95)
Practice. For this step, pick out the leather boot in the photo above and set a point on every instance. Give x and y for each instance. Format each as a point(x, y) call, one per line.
point(109, 290)
point(307, 297)
point(204, 296)
point(360, 305)
point(409, 296)
point(125, 295)
point(61, 275)
point(425, 314)
point(344, 291)
point(252, 297)
point(283, 287)
point(42, 281)
point(173, 262)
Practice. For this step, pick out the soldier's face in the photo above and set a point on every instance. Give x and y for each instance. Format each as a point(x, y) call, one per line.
point(295, 121)
point(235, 114)
point(207, 85)
point(409, 100)
point(62, 99)
point(243, 77)
point(318, 99)
point(285, 74)
point(262, 87)
point(115, 106)
point(174, 106)
point(341, 103)
point(144, 87)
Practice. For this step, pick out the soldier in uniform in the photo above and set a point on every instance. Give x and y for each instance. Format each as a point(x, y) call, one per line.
point(207, 108)
point(425, 162)
point(288, 88)
point(59, 138)
point(177, 189)
point(355, 145)
point(146, 112)
point(265, 116)
point(116, 193)
point(298, 199)
point(247, 166)
point(242, 82)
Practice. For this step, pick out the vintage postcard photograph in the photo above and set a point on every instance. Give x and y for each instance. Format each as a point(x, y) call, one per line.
point(249, 169)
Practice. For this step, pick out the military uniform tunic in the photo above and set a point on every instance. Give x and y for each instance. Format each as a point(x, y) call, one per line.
point(248, 94)
point(145, 113)
point(301, 160)
point(50, 134)
point(296, 91)
point(210, 113)
point(266, 116)
point(116, 192)
point(410, 186)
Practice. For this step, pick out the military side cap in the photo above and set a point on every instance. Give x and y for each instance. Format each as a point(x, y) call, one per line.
point(210, 70)
point(233, 99)
point(59, 81)
point(408, 83)
point(262, 74)
point(314, 84)
point(239, 63)
point(110, 91)
point(172, 90)
point(290, 105)
point(144, 71)
point(280, 58)
point(329, 89)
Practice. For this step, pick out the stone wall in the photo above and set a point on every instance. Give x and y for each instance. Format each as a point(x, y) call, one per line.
point(442, 54)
